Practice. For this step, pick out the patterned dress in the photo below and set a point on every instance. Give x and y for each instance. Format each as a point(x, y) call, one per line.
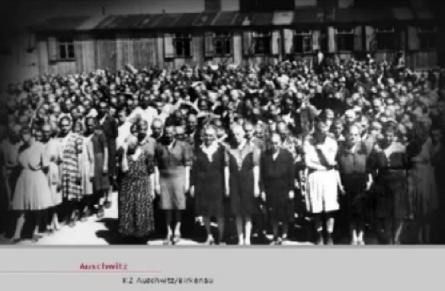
point(136, 217)
point(71, 180)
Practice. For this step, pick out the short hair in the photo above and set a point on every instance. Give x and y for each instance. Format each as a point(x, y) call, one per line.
point(390, 126)
point(65, 118)
point(349, 128)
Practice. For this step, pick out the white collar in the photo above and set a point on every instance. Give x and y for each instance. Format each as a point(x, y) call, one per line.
point(242, 144)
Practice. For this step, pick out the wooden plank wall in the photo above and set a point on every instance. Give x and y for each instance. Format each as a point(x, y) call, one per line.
point(106, 53)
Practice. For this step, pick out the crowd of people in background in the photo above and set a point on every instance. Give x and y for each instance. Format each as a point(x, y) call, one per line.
point(348, 148)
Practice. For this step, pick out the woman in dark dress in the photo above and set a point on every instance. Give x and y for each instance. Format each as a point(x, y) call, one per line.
point(101, 181)
point(355, 179)
point(277, 176)
point(388, 163)
point(209, 179)
point(244, 161)
point(136, 193)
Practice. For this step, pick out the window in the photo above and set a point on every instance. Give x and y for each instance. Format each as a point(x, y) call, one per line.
point(66, 49)
point(262, 42)
point(223, 44)
point(345, 39)
point(302, 41)
point(386, 39)
point(183, 45)
point(427, 38)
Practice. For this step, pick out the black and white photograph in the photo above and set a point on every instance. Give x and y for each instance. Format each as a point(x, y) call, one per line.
point(222, 123)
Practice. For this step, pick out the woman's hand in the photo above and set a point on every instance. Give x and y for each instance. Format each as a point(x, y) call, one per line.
point(368, 185)
point(105, 169)
point(341, 189)
point(263, 196)
point(256, 191)
point(192, 191)
point(291, 194)
point(158, 189)
point(227, 192)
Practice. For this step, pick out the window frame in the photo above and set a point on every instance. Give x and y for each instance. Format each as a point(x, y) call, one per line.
point(64, 44)
point(386, 31)
point(423, 32)
point(226, 39)
point(304, 34)
point(186, 40)
point(266, 38)
point(345, 32)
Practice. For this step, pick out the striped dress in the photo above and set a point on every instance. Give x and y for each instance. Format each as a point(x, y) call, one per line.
point(72, 148)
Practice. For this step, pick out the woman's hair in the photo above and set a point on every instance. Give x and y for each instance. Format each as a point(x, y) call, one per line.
point(390, 126)
point(65, 118)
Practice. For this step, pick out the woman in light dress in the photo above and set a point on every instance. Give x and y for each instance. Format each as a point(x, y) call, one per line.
point(320, 150)
point(53, 150)
point(32, 192)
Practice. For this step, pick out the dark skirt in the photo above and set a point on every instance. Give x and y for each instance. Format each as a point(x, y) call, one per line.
point(209, 194)
point(172, 184)
point(355, 200)
point(242, 199)
point(279, 206)
point(101, 180)
point(392, 199)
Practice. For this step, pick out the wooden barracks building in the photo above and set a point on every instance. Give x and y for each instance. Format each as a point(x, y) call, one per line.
point(260, 31)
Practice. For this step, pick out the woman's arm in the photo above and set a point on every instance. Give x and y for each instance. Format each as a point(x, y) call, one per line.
point(105, 149)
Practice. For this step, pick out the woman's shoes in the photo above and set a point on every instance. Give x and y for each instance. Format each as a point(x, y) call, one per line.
point(210, 241)
point(36, 238)
point(50, 232)
point(176, 239)
point(168, 240)
point(100, 212)
point(15, 240)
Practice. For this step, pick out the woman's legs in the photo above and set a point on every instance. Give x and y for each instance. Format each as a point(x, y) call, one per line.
point(275, 229)
point(38, 220)
point(221, 225)
point(398, 227)
point(248, 227)
point(239, 229)
point(318, 228)
point(168, 221)
point(329, 225)
point(19, 225)
point(208, 229)
point(178, 218)
point(55, 218)
point(285, 230)
point(353, 232)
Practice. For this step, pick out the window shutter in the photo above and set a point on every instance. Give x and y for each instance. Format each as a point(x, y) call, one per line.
point(371, 40)
point(358, 32)
point(53, 53)
point(331, 40)
point(288, 41)
point(169, 50)
point(209, 47)
point(315, 40)
point(413, 38)
point(247, 43)
point(275, 49)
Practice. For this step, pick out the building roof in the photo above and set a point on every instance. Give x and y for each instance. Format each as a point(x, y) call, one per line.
point(62, 23)
point(309, 16)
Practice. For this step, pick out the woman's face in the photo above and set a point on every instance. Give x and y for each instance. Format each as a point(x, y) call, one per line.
point(389, 137)
point(353, 136)
point(26, 137)
point(38, 135)
point(239, 135)
point(209, 136)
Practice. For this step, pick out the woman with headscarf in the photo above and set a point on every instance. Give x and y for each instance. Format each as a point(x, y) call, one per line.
point(209, 182)
point(32, 192)
point(136, 192)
